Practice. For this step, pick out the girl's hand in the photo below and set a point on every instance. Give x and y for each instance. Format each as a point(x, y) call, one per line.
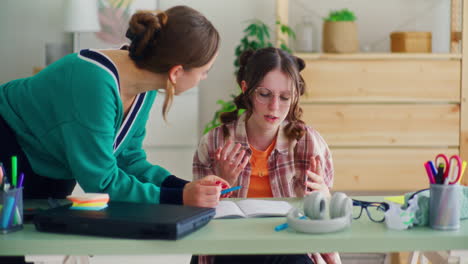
point(204, 192)
point(315, 181)
point(229, 164)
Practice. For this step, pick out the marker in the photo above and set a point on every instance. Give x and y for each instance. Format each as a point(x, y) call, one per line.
point(281, 227)
point(432, 167)
point(21, 179)
point(1, 176)
point(285, 225)
point(231, 189)
point(12, 220)
point(463, 171)
point(429, 173)
point(17, 220)
point(6, 184)
point(14, 170)
point(10, 202)
point(440, 174)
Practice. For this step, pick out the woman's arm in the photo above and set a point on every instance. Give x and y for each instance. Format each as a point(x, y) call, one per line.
point(89, 155)
point(133, 161)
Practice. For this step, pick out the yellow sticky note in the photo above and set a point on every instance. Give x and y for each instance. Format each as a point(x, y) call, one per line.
point(396, 199)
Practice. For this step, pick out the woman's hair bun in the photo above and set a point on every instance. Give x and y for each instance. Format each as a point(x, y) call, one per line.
point(144, 24)
point(162, 17)
point(144, 27)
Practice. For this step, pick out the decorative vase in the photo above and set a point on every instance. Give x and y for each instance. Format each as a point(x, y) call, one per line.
point(305, 35)
point(340, 37)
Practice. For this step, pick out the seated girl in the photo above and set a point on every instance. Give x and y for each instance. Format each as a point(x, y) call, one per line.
point(268, 149)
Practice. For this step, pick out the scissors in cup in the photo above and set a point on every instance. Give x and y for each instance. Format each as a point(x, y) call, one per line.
point(453, 166)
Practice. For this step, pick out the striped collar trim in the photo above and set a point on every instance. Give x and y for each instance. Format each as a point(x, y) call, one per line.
point(129, 121)
point(102, 61)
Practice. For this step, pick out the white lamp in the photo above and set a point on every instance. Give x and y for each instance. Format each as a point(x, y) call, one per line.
point(81, 16)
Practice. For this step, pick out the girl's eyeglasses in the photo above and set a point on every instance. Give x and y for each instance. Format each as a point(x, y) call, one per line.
point(375, 210)
point(265, 96)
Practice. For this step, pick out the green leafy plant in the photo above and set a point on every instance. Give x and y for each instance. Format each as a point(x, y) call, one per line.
point(226, 106)
point(340, 15)
point(257, 35)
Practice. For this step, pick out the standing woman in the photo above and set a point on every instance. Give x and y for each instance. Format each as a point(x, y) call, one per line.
point(82, 119)
point(268, 150)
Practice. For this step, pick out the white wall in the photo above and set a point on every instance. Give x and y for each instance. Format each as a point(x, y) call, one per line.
point(376, 19)
point(25, 27)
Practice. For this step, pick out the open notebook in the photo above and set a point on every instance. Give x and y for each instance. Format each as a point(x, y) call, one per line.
point(251, 208)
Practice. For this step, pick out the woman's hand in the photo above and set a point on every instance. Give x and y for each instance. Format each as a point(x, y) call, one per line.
point(315, 181)
point(218, 180)
point(204, 192)
point(331, 258)
point(229, 164)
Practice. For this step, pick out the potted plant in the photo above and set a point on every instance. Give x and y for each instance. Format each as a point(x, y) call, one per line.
point(340, 32)
point(256, 36)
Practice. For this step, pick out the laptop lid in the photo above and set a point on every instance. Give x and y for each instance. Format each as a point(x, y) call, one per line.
point(123, 219)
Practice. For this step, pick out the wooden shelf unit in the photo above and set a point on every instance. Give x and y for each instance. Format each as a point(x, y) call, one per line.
point(379, 56)
point(385, 114)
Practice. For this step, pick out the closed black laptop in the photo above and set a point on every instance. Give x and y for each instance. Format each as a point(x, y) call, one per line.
point(131, 220)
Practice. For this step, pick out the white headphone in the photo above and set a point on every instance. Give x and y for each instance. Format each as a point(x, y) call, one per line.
point(315, 207)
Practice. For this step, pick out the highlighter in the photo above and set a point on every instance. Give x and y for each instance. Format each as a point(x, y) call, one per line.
point(231, 189)
point(14, 171)
point(7, 211)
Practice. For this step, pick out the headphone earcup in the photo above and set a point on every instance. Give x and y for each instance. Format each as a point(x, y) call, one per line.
point(315, 205)
point(340, 205)
point(336, 204)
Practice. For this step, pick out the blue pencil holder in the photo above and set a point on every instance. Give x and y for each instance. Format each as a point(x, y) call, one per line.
point(11, 210)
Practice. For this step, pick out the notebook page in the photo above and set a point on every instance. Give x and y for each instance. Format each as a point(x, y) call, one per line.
point(228, 209)
point(259, 208)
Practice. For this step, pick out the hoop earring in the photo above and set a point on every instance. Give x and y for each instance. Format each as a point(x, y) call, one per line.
point(168, 98)
point(170, 89)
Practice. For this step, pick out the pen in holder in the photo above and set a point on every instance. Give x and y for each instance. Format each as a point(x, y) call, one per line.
point(445, 206)
point(11, 210)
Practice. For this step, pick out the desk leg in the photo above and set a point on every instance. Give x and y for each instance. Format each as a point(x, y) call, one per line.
point(76, 260)
point(441, 257)
point(414, 257)
point(401, 257)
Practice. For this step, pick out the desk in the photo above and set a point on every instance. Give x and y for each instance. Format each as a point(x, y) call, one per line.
point(242, 236)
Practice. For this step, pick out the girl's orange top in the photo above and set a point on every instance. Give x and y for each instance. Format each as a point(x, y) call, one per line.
point(259, 181)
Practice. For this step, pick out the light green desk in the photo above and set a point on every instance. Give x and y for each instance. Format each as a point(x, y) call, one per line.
point(242, 236)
